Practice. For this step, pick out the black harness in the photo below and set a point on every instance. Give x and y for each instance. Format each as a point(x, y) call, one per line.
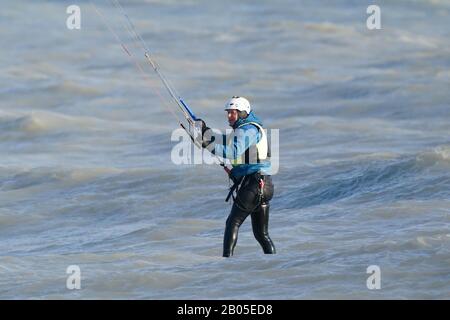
point(237, 183)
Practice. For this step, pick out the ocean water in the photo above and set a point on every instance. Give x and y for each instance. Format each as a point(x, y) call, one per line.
point(86, 176)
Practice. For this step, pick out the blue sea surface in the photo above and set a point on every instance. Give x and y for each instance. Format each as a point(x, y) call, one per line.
point(86, 176)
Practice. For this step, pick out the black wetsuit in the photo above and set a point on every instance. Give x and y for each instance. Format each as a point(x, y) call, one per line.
point(250, 200)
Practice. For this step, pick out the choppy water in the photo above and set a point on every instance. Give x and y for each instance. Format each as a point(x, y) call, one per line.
point(85, 171)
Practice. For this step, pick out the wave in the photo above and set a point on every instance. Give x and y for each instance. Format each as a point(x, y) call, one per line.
point(73, 88)
point(440, 155)
point(420, 176)
point(43, 121)
point(14, 179)
point(330, 28)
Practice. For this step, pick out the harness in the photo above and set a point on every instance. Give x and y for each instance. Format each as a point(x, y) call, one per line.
point(237, 183)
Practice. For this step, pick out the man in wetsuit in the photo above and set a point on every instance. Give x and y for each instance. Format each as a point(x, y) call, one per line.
point(249, 152)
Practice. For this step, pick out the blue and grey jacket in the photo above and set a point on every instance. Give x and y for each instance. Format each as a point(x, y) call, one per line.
point(249, 151)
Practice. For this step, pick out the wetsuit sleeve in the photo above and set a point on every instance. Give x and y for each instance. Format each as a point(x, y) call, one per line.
point(243, 138)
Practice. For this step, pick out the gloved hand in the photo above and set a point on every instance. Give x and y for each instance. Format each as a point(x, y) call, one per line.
point(204, 127)
point(207, 139)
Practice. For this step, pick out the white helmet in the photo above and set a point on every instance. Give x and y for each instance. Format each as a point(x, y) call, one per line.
point(238, 103)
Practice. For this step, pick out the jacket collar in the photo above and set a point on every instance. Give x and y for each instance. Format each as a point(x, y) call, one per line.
point(250, 118)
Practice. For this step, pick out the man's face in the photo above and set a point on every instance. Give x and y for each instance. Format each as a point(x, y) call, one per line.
point(232, 116)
